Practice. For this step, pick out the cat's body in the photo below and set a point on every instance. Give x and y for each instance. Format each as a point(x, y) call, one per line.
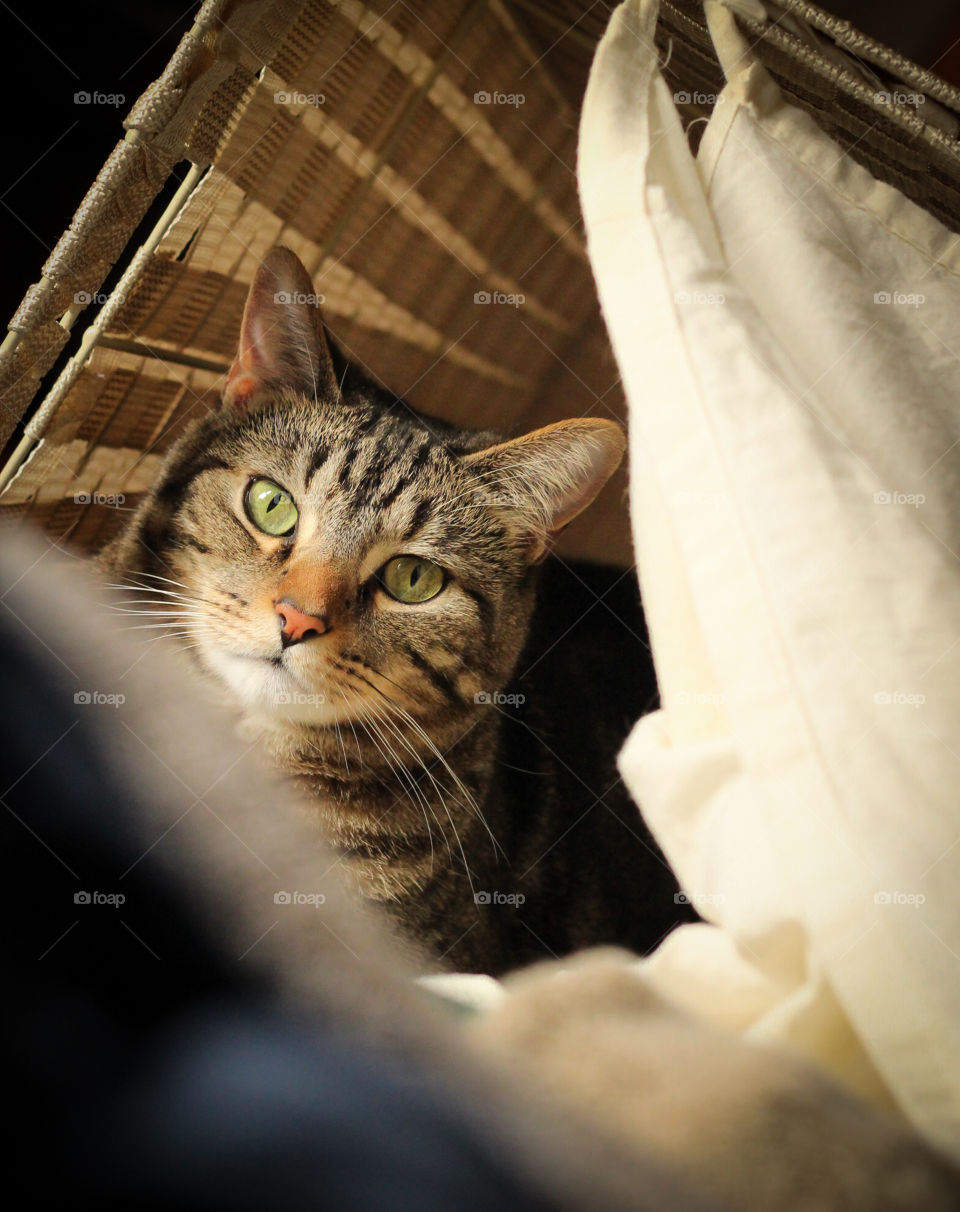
point(370, 645)
point(573, 863)
point(597, 1093)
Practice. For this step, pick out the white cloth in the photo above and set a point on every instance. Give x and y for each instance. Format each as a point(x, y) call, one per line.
point(795, 467)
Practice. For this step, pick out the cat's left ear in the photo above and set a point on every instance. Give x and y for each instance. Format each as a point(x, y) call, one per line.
point(549, 476)
point(283, 345)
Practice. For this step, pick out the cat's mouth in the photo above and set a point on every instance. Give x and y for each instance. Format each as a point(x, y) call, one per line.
point(270, 685)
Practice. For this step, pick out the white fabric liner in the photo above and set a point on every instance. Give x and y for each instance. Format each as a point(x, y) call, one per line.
point(794, 483)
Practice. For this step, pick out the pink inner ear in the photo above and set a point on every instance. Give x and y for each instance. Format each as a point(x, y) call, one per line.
point(282, 344)
point(240, 386)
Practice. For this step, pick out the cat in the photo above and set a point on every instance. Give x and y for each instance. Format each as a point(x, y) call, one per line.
point(361, 580)
point(595, 1093)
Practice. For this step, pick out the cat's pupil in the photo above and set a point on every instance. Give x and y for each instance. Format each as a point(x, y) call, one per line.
point(274, 502)
point(415, 574)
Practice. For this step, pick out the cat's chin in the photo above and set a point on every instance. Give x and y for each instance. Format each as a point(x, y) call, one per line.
point(270, 690)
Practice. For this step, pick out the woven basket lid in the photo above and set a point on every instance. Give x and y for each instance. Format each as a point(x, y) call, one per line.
point(420, 158)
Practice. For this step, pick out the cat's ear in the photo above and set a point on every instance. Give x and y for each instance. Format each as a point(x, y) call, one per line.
point(283, 345)
point(549, 476)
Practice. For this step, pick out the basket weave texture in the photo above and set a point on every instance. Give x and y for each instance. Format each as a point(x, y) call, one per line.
point(420, 159)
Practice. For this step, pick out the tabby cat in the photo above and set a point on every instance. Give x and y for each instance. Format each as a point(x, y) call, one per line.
point(361, 580)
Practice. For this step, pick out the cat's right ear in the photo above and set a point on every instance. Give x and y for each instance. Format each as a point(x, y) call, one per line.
point(283, 346)
point(548, 477)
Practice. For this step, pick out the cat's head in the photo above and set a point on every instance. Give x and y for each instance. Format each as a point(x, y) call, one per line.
point(323, 550)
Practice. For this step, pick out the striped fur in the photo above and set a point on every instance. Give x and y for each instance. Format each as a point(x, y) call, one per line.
point(386, 717)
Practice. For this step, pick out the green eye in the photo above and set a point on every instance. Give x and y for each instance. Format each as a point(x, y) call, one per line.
point(270, 508)
point(410, 579)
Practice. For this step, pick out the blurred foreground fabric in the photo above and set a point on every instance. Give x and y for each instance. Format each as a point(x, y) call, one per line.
point(153, 1065)
point(788, 329)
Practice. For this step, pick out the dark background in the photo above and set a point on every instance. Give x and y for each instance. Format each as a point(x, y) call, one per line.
point(54, 147)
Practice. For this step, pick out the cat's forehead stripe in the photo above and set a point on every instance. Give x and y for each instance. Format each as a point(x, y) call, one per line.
point(180, 477)
point(375, 471)
point(321, 452)
point(382, 472)
point(421, 515)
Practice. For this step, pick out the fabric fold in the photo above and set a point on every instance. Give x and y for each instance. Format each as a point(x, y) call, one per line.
point(786, 327)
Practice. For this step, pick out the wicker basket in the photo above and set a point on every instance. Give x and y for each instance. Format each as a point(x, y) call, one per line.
point(420, 158)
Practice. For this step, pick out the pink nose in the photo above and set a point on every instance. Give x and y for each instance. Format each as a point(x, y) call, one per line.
point(296, 626)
